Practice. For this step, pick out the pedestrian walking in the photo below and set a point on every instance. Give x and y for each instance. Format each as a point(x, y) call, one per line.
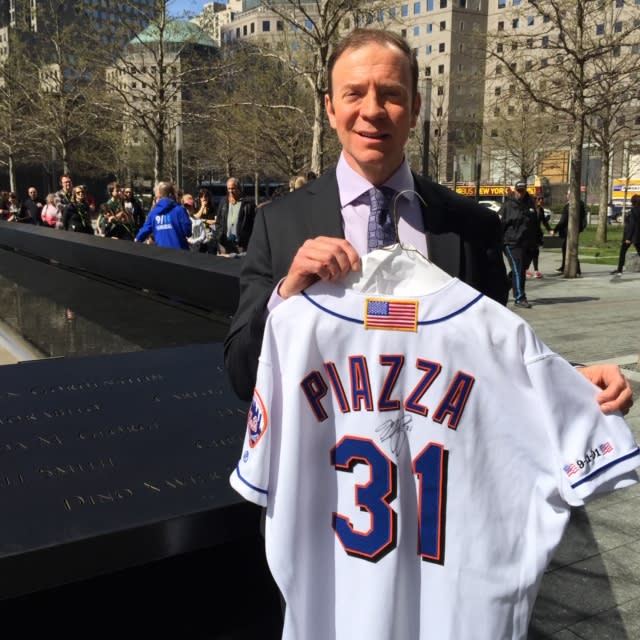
point(630, 235)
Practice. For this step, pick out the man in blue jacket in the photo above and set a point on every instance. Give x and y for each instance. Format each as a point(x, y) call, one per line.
point(168, 222)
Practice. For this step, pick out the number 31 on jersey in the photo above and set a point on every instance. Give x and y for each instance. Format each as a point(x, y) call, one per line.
point(375, 496)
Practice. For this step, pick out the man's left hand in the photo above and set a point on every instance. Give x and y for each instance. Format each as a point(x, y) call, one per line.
point(616, 394)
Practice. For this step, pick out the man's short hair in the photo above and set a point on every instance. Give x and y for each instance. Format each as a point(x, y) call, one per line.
point(165, 190)
point(635, 200)
point(359, 38)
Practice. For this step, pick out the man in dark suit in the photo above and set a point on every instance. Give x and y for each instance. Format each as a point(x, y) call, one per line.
point(235, 220)
point(562, 229)
point(33, 204)
point(319, 231)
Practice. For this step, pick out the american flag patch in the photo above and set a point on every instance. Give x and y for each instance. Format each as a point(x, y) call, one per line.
point(570, 469)
point(605, 448)
point(398, 315)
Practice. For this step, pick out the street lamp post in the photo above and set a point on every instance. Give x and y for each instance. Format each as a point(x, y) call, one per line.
point(478, 170)
point(426, 126)
point(179, 156)
point(586, 178)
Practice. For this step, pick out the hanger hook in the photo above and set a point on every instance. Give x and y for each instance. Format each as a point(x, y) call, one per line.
point(394, 211)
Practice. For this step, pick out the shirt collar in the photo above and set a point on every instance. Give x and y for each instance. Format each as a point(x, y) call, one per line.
point(351, 185)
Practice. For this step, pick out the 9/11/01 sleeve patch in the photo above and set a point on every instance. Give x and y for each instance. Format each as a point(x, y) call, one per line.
point(584, 463)
point(394, 315)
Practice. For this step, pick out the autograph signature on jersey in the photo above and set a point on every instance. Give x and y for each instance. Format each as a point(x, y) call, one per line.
point(396, 432)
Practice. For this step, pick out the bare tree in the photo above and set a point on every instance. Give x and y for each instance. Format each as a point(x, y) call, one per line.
point(16, 133)
point(610, 120)
point(573, 35)
point(315, 25)
point(62, 101)
point(519, 129)
point(151, 83)
point(263, 108)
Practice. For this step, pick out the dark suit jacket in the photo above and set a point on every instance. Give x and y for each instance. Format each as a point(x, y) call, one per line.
point(562, 227)
point(463, 238)
point(244, 226)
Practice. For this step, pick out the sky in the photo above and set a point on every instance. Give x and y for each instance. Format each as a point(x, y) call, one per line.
point(179, 8)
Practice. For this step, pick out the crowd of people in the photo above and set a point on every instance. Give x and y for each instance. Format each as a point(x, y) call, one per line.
point(174, 220)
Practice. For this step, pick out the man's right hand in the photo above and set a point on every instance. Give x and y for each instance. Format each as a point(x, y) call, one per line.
point(321, 258)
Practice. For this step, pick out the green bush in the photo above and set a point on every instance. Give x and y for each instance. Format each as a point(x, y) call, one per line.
point(592, 251)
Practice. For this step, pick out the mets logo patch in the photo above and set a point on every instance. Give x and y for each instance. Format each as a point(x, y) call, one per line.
point(394, 315)
point(257, 420)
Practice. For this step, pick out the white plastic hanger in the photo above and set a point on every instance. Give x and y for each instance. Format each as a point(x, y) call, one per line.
point(398, 269)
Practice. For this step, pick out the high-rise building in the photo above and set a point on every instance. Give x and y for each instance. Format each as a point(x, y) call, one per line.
point(474, 101)
point(33, 20)
point(447, 37)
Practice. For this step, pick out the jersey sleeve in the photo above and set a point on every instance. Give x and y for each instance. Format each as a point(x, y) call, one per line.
point(592, 452)
point(250, 478)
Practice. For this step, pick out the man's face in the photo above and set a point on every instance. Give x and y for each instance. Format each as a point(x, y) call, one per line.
point(372, 109)
point(520, 193)
point(128, 194)
point(66, 184)
point(33, 193)
point(233, 190)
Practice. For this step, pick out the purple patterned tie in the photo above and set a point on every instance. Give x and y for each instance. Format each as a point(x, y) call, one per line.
point(381, 229)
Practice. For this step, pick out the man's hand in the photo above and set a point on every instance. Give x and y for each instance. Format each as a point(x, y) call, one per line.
point(321, 258)
point(616, 394)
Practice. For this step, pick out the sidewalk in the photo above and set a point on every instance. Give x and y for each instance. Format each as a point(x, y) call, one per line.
point(592, 587)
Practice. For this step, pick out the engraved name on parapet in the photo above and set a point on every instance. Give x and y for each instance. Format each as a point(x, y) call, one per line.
point(92, 385)
point(118, 431)
point(102, 498)
point(11, 481)
point(37, 441)
point(50, 414)
point(199, 393)
point(217, 443)
point(58, 471)
point(185, 480)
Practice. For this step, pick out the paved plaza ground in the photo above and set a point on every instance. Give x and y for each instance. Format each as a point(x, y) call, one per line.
point(592, 588)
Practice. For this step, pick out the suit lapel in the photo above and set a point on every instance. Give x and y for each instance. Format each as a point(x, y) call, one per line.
point(443, 248)
point(325, 216)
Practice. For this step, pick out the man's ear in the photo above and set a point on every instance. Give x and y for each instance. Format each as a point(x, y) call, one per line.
point(328, 107)
point(415, 112)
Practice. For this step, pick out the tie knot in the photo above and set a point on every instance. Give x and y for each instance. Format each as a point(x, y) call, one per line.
point(381, 228)
point(381, 199)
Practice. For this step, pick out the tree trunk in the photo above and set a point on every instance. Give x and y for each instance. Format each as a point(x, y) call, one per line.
point(605, 162)
point(12, 172)
point(65, 160)
point(318, 134)
point(573, 231)
point(158, 161)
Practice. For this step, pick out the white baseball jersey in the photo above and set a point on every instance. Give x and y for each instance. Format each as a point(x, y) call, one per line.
point(418, 458)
